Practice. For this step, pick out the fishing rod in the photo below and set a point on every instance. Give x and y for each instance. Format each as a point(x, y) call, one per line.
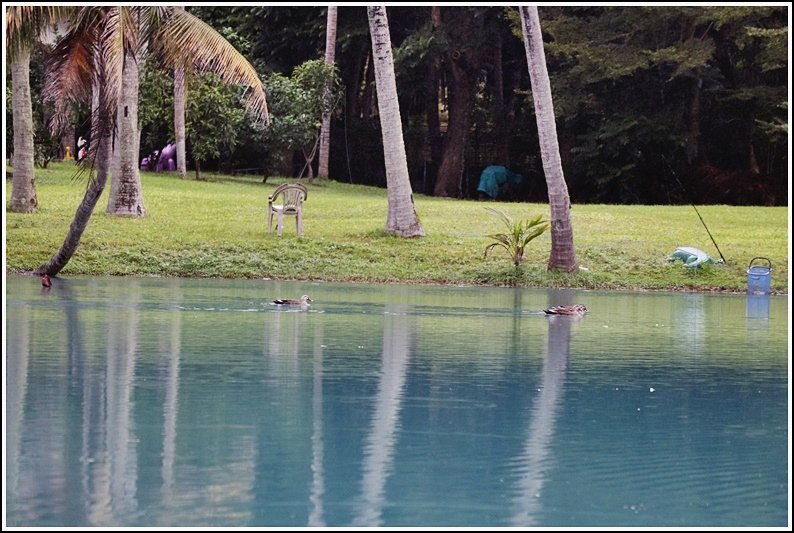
point(693, 207)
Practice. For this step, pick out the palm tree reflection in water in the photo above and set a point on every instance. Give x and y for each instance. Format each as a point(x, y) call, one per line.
point(535, 459)
point(379, 446)
point(316, 518)
point(171, 349)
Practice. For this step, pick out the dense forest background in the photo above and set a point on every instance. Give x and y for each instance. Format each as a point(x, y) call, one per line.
point(654, 105)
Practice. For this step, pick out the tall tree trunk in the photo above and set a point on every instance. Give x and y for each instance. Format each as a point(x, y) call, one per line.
point(461, 100)
point(354, 79)
point(23, 185)
point(125, 197)
point(94, 190)
point(563, 254)
point(401, 219)
point(366, 108)
point(432, 148)
point(499, 109)
point(330, 58)
point(180, 100)
point(463, 62)
point(67, 142)
point(693, 120)
point(692, 111)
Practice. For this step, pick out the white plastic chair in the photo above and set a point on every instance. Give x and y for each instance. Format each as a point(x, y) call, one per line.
point(291, 196)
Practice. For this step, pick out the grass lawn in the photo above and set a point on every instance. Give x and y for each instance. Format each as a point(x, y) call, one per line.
point(218, 228)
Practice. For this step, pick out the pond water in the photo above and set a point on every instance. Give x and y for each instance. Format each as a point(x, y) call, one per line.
point(173, 402)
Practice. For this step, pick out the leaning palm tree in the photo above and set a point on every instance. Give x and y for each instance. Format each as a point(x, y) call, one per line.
point(94, 50)
point(25, 25)
point(401, 219)
point(563, 254)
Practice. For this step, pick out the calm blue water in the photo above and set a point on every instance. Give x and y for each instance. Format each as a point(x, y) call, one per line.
point(159, 402)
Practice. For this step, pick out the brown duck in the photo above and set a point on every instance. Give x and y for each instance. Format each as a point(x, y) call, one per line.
point(576, 309)
point(304, 301)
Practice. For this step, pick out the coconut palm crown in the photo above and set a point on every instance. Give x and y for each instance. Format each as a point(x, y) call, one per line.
point(24, 27)
point(106, 34)
point(89, 60)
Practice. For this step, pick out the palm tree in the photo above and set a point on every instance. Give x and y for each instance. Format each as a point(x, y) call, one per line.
point(563, 254)
point(94, 50)
point(125, 197)
point(23, 191)
point(180, 95)
point(24, 27)
point(401, 219)
point(330, 57)
point(180, 101)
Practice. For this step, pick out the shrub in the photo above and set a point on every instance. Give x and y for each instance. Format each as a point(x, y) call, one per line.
point(518, 234)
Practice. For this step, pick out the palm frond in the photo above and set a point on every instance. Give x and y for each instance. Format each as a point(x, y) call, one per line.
point(186, 36)
point(26, 24)
point(89, 56)
point(71, 68)
point(150, 21)
point(501, 214)
point(491, 247)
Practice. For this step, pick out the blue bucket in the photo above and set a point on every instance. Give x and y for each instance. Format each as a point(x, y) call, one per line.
point(759, 276)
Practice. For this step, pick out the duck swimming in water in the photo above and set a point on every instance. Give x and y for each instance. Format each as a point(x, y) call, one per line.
point(45, 281)
point(304, 301)
point(576, 310)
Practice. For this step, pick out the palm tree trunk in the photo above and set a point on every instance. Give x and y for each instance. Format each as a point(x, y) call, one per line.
point(90, 198)
point(180, 99)
point(23, 187)
point(563, 255)
point(330, 57)
point(180, 96)
point(126, 194)
point(401, 219)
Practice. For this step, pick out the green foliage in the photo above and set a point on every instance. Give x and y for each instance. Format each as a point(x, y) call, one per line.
point(297, 104)
point(45, 143)
point(772, 42)
point(213, 116)
point(155, 108)
point(314, 77)
point(275, 38)
point(518, 235)
point(637, 86)
point(414, 60)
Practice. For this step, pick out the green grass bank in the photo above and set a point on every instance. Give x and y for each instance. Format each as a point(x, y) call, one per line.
point(218, 228)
